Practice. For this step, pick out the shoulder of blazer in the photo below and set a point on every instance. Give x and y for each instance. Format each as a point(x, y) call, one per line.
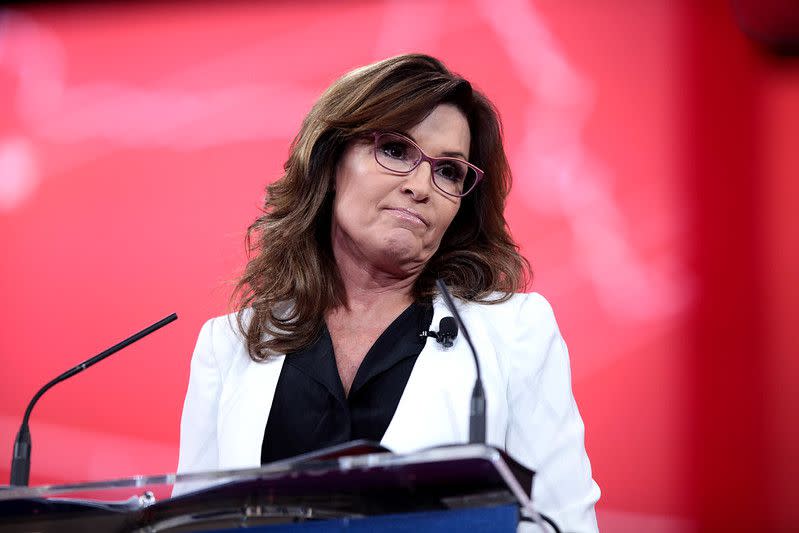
point(519, 310)
point(516, 326)
point(227, 341)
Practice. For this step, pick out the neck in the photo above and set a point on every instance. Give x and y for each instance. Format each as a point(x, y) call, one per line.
point(368, 288)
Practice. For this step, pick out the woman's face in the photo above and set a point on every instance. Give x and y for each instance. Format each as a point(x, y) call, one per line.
point(394, 222)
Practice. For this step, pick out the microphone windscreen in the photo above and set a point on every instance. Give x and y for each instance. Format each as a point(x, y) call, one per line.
point(448, 327)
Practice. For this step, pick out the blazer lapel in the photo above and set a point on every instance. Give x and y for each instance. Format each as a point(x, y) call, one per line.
point(244, 410)
point(434, 407)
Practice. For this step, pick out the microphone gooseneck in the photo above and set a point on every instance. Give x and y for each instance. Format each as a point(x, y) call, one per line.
point(477, 406)
point(21, 458)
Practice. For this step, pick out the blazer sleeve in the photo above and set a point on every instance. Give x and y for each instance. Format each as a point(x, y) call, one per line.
point(545, 430)
point(198, 425)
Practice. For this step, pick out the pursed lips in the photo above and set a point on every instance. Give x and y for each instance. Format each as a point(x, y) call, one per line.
point(409, 214)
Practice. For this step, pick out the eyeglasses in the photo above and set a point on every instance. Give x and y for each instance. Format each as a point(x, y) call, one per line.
point(451, 175)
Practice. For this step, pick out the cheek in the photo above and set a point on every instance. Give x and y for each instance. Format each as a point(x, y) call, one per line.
point(350, 195)
point(359, 187)
point(351, 167)
point(447, 216)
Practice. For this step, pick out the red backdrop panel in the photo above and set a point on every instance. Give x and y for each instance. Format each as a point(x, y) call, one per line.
point(136, 141)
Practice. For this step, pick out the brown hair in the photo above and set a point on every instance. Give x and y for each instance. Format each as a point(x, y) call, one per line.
point(291, 278)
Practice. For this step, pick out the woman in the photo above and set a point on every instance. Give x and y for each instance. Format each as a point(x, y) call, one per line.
point(397, 177)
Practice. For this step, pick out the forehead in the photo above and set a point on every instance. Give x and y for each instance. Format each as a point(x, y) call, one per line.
point(445, 129)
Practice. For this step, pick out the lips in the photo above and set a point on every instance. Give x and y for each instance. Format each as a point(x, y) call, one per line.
point(409, 214)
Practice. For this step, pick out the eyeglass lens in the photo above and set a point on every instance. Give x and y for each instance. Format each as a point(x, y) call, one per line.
point(398, 154)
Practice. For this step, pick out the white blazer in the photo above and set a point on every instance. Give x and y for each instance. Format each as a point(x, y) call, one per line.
point(530, 407)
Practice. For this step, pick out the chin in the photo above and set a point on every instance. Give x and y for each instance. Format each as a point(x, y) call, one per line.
point(403, 255)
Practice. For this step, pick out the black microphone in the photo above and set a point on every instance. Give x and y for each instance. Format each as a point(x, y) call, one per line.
point(21, 459)
point(447, 332)
point(477, 406)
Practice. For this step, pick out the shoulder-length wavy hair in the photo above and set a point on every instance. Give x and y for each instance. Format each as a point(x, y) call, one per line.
point(291, 278)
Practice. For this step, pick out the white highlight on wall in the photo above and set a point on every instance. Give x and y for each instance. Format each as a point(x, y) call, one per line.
point(177, 113)
point(18, 172)
point(563, 178)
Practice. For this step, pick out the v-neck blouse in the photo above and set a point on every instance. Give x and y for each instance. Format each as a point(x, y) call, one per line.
point(310, 409)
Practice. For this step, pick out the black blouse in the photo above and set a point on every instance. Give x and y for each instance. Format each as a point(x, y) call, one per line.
point(310, 410)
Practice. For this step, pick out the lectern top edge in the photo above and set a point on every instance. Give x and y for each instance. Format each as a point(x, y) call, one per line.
point(346, 463)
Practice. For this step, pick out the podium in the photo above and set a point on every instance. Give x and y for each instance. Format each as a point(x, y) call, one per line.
point(453, 488)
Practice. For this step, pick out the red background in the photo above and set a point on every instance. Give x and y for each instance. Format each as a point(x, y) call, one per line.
point(655, 161)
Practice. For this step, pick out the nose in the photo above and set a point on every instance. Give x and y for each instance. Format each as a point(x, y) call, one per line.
point(419, 182)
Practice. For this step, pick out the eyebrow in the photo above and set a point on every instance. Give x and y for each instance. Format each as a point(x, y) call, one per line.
point(443, 154)
point(455, 154)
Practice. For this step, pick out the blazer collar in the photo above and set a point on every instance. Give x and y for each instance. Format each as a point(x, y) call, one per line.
point(433, 408)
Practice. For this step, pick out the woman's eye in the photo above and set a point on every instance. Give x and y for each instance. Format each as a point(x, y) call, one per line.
point(450, 171)
point(395, 150)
